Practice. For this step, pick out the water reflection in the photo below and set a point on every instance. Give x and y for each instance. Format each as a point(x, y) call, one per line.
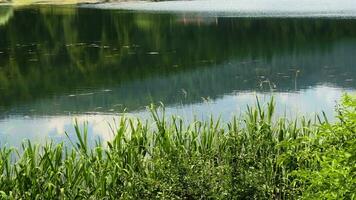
point(242, 8)
point(6, 12)
point(306, 102)
point(93, 64)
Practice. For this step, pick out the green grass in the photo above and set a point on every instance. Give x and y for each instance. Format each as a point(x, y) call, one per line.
point(255, 156)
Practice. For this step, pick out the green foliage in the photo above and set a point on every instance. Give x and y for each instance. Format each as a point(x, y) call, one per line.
point(326, 160)
point(253, 157)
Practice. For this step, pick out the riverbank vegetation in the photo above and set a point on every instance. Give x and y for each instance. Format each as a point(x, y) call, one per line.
point(58, 2)
point(21, 3)
point(255, 156)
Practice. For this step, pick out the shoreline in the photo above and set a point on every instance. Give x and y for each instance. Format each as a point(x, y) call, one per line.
point(65, 2)
point(221, 8)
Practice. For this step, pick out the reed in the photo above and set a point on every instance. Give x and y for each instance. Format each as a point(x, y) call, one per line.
point(255, 156)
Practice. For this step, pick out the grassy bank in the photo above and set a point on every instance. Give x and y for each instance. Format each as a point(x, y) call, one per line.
point(16, 3)
point(251, 157)
point(58, 2)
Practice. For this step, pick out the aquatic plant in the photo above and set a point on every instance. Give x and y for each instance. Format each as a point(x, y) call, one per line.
point(256, 156)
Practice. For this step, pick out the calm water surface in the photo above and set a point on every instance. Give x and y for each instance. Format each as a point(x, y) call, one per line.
point(242, 8)
point(61, 63)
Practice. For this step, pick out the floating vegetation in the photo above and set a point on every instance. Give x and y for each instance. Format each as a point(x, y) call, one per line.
point(252, 157)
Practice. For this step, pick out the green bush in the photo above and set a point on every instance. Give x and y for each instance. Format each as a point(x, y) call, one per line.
point(326, 161)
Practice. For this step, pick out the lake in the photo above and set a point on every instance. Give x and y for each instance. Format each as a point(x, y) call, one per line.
point(61, 63)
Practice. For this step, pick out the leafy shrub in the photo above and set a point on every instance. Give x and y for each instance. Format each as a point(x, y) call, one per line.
point(327, 159)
